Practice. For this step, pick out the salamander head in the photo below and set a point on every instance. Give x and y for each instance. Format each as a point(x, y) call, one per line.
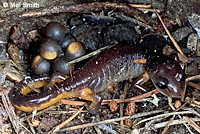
point(167, 76)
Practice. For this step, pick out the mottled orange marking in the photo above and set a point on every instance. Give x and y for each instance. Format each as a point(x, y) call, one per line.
point(140, 61)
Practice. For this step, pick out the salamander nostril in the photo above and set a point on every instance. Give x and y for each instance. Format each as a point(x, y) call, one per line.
point(162, 82)
point(179, 76)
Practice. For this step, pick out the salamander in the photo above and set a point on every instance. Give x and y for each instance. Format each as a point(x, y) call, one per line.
point(109, 67)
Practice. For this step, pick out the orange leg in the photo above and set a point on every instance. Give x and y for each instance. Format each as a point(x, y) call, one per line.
point(87, 94)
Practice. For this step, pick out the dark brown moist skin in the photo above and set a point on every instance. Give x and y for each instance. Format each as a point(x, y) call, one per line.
point(111, 66)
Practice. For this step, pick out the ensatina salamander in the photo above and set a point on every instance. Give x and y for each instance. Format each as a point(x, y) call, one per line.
point(109, 67)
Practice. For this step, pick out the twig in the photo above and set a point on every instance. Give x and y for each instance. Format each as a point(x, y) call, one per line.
point(173, 108)
point(74, 103)
point(175, 122)
point(65, 122)
point(168, 124)
point(121, 111)
point(65, 112)
point(126, 87)
point(112, 120)
point(193, 103)
point(194, 85)
point(182, 106)
point(81, 103)
point(31, 127)
point(17, 65)
point(10, 111)
point(88, 55)
point(151, 10)
point(136, 98)
point(24, 127)
point(98, 130)
point(169, 34)
point(192, 123)
point(193, 111)
point(171, 122)
point(196, 77)
point(84, 132)
point(163, 115)
point(106, 128)
point(103, 127)
point(141, 5)
point(13, 76)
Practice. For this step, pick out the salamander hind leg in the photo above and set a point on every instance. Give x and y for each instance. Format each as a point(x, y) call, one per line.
point(90, 95)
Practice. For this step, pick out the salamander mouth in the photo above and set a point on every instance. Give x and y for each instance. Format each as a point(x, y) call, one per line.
point(177, 94)
point(170, 92)
point(173, 93)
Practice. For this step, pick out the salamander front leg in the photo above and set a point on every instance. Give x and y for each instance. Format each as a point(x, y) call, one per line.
point(137, 84)
point(54, 79)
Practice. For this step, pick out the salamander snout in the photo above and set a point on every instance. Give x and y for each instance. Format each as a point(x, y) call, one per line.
point(167, 76)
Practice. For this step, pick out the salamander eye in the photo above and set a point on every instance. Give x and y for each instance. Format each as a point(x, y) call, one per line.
point(162, 82)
